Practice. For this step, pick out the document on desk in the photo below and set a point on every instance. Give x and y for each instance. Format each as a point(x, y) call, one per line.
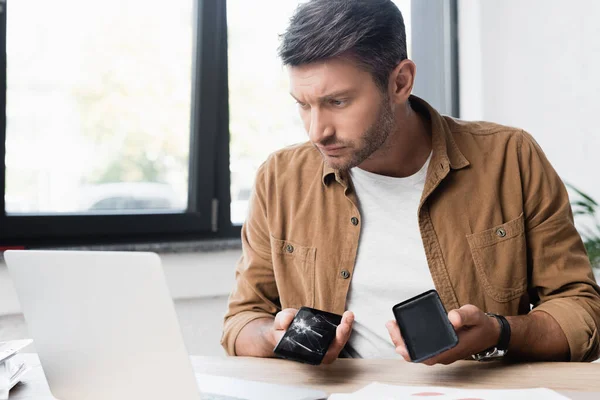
point(392, 392)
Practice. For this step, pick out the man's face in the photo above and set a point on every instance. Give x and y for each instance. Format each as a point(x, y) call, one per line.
point(346, 115)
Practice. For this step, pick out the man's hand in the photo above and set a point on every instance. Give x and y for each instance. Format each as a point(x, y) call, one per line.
point(259, 337)
point(284, 318)
point(476, 332)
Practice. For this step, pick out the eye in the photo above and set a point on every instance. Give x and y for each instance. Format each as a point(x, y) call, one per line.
point(303, 106)
point(337, 103)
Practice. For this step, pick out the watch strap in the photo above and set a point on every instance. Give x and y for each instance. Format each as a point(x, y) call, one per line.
point(505, 332)
point(501, 348)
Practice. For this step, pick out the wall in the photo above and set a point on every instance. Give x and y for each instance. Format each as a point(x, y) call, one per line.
point(534, 64)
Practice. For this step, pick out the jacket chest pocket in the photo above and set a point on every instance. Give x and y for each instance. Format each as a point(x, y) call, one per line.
point(294, 269)
point(500, 257)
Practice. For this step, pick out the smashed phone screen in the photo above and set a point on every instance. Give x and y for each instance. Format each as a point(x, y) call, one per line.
point(309, 336)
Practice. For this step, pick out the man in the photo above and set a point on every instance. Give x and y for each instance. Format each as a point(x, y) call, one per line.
point(389, 199)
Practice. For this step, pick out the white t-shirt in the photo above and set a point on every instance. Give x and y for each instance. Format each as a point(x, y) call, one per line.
point(391, 265)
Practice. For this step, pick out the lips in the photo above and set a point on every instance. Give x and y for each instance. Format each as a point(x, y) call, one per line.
point(332, 150)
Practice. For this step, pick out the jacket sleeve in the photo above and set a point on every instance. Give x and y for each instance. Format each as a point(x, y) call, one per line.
point(561, 280)
point(255, 292)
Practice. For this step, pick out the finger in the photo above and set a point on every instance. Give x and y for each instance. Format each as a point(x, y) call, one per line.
point(348, 317)
point(395, 334)
point(447, 357)
point(430, 361)
point(277, 335)
point(342, 334)
point(467, 315)
point(396, 337)
point(456, 319)
point(284, 318)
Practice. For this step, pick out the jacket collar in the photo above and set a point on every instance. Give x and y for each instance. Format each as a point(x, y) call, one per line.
point(446, 153)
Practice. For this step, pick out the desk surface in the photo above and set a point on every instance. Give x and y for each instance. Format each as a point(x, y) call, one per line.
point(578, 381)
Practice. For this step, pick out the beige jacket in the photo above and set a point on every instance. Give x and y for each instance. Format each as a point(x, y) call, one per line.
point(494, 217)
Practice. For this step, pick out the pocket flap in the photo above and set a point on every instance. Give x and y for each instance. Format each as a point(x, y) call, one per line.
point(290, 248)
point(497, 234)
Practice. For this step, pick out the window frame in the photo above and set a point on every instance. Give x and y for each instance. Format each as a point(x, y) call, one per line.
point(208, 212)
point(435, 51)
point(205, 216)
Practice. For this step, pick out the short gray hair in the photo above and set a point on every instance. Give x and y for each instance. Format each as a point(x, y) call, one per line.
point(371, 32)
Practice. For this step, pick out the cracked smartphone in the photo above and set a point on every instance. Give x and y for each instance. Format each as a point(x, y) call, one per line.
point(424, 325)
point(309, 336)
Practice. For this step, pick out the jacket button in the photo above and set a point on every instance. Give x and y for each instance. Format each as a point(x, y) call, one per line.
point(354, 221)
point(500, 232)
point(345, 274)
point(289, 248)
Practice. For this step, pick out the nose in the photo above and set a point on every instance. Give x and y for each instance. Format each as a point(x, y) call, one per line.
point(319, 129)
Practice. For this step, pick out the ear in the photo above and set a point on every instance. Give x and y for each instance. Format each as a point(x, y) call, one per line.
point(402, 80)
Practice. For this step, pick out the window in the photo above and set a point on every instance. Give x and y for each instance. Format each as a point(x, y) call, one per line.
point(98, 102)
point(108, 136)
point(136, 120)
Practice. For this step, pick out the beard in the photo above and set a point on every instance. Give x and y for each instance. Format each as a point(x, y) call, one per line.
point(370, 141)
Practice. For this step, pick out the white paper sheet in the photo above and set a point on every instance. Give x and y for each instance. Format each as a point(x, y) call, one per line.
point(11, 347)
point(391, 392)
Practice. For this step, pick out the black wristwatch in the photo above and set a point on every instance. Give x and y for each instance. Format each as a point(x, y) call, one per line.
point(501, 348)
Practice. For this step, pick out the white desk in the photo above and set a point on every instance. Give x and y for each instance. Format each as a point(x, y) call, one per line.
point(578, 381)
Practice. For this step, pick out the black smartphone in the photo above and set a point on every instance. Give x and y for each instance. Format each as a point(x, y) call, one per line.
point(425, 326)
point(309, 336)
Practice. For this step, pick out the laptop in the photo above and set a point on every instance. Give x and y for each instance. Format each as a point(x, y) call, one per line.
point(105, 327)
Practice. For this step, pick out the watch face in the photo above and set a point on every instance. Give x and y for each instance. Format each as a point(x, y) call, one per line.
point(489, 354)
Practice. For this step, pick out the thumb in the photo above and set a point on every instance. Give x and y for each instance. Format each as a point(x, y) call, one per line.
point(467, 315)
point(284, 318)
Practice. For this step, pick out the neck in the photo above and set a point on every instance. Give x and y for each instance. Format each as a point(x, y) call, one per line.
point(405, 150)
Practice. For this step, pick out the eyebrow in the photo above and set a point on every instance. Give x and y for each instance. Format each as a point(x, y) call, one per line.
point(322, 99)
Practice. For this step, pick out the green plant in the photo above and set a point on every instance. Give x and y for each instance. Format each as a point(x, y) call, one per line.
point(584, 205)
